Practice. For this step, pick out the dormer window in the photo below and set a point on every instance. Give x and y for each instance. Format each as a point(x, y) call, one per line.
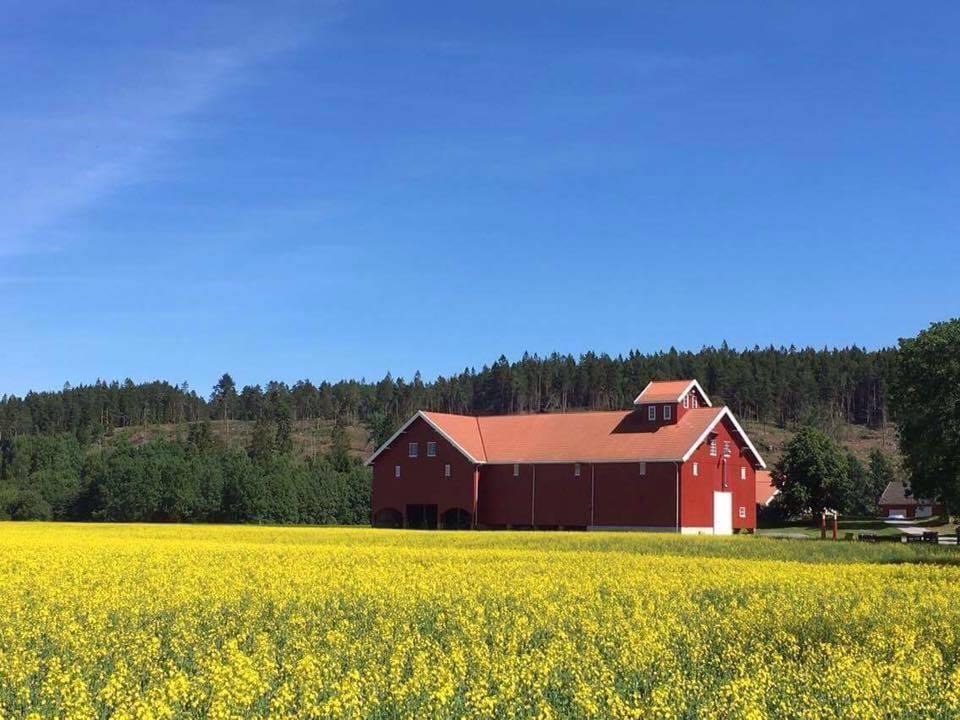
point(667, 412)
point(652, 413)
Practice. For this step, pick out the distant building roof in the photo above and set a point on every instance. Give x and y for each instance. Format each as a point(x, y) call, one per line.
point(895, 493)
point(668, 391)
point(615, 436)
point(766, 490)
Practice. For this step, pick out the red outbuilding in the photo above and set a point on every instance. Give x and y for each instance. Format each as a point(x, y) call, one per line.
point(675, 462)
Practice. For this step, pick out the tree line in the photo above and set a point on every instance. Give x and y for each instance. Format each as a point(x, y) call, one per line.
point(193, 479)
point(778, 385)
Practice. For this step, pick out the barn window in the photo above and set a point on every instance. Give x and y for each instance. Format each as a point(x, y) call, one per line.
point(412, 449)
point(743, 511)
point(643, 468)
point(446, 470)
point(396, 471)
point(516, 469)
point(713, 447)
point(696, 469)
point(652, 412)
point(726, 448)
point(667, 410)
point(696, 401)
point(431, 449)
point(743, 473)
point(576, 470)
point(686, 400)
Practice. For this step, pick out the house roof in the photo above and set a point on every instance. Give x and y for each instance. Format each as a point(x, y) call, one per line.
point(766, 490)
point(895, 493)
point(615, 436)
point(668, 391)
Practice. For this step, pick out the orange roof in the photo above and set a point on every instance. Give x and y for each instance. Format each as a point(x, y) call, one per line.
point(573, 437)
point(766, 490)
point(461, 430)
point(668, 391)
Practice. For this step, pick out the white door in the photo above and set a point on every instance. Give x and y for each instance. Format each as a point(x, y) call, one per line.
point(723, 513)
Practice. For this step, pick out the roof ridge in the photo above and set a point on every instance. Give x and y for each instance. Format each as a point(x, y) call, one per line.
point(483, 445)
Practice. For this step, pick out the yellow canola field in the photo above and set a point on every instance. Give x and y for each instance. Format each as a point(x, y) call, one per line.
point(137, 621)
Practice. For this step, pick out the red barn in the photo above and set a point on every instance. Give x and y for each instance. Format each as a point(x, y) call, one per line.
point(674, 462)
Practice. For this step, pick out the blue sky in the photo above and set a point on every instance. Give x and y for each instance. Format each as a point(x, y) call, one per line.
point(327, 190)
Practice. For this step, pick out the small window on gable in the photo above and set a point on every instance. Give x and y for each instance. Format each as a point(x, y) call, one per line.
point(412, 449)
point(686, 400)
point(726, 448)
point(446, 470)
point(667, 412)
point(396, 471)
point(713, 447)
point(652, 412)
point(743, 473)
point(696, 401)
point(743, 511)
point(696, 469)
point(516, 469)
point(576, 470)
point(431, 449)
point(643, 468)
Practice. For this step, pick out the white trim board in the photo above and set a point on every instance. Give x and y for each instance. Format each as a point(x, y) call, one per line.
point(724, 412)
point(431, 423)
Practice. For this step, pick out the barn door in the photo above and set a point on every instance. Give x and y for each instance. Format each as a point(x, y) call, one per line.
point(723, 513)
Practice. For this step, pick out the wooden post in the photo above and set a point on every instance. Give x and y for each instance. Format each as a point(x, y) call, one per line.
point(823, 525)
point(834, 524)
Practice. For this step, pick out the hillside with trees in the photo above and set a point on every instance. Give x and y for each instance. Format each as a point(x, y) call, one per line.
point(779, 386)
point(291, 453)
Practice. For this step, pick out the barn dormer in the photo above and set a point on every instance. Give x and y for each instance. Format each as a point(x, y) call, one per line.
point(664, 402)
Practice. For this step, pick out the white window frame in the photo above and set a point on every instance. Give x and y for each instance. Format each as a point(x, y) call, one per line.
point(413, 449)
point(643, 467)
point(576, 469)
point(431, 449)
point(713, 448)
point(696, 469)
point(726, 448)
point(743, 472)
point(516, 469)
point(446, 470)
point(667, 412)
point(686, 400)
point(696, 401)
point(651, 412)
point(396, 471)
point(743, 511)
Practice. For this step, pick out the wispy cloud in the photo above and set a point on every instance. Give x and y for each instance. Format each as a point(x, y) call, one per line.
point(84, 131)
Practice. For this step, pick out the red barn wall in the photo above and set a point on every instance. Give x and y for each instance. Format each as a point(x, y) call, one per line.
point(503, 498)
point(623, 497)
point(560, 498)
point(422, 478)
point(696, 493)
